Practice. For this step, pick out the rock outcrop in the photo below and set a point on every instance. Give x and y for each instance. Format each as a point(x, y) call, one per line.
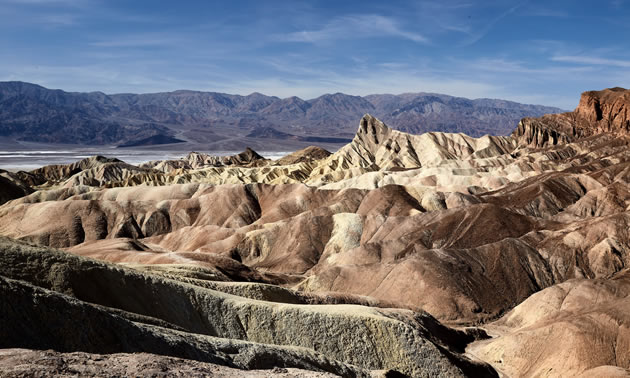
point(307, 155)
point(59, 173)
point(609, 109)
point(12, 188)
point(606, 111)
point(196, 160)
point(24, 362)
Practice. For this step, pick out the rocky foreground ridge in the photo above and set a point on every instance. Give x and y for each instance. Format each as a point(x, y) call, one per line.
point(387, 254)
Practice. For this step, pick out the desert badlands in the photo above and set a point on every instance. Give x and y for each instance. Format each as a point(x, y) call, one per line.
point(397, 255)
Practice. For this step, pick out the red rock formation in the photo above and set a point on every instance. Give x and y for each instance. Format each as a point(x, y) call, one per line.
point(609, 109)
point(599, 112)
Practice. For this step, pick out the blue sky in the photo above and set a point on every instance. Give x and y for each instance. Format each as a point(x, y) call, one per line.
point(543, 52)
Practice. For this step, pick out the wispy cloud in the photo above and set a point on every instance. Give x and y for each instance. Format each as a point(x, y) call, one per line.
point(139, 40)
point(592, 60)
point(355, 26)
point(439, 15)
point(512, 66)
point(537, 11)
point(477, 35)
point(59, 19)
point(49, 2)
point(44, 14)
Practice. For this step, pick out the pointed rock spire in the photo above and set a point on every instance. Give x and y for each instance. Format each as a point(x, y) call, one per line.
point(372, 131)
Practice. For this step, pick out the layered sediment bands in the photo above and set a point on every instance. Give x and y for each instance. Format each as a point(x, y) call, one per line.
point(33, 309)
point(386, 153)
point(334, 238)
point(152, 314)
point(376, 147)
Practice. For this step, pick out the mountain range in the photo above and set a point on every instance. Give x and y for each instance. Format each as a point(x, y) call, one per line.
point(218, 121)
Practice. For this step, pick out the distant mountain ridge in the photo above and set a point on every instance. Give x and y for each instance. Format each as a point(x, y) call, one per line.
point(29, 112)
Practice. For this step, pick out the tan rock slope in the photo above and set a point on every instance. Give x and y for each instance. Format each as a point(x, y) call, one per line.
point(308, 154)
point(466, 229)
point(196, 160)
point(584, 325)
point(122, 310)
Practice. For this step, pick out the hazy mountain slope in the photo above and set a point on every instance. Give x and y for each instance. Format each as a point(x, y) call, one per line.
point(33, 113)
point(30, 112)
point(424, 112)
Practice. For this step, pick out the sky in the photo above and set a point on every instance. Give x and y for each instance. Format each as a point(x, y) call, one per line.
point(537, 51)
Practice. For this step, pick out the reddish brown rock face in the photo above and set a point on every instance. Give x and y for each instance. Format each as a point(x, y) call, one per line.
point(609, 109)
point(605, 111)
